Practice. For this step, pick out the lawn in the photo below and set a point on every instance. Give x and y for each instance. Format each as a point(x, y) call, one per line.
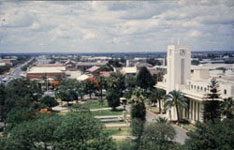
point(94, 104)
point(107, 112)
point(124, 131)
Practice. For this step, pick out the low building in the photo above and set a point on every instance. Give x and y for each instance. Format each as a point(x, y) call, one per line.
point(86, 65)
point(95, 71)
point(129, 71)
point(42, 71)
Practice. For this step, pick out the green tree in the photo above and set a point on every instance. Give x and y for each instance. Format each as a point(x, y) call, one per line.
point(158, 136)
point(138, 109)
point(227, 107)
point(130, 82)
point(138, 114)
point(177, 100)
point(116, 81)
point(145, 79)
point(157, 95)
point(212, 135)
point(91, 86)
point(49, 102)
point(64, 95)
point(212, 104)
point(113, 98)
point(18, 115)
point(21, 93)
point(2, 102)
point(102, 84)
point(75, 130)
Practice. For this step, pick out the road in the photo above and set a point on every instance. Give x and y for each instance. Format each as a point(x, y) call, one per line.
point(180, 132)
point(14, 73)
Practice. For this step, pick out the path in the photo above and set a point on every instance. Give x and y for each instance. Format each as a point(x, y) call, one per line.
point(180, 132)
point(122, 137)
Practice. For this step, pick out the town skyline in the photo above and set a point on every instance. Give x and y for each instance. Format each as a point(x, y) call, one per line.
point(110, 27)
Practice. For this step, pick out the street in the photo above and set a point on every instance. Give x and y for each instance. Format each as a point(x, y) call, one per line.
point(13, 74)
point(180, 133)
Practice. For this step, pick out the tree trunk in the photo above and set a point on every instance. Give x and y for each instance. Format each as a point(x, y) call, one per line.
point(177, 111)
point(160, 109)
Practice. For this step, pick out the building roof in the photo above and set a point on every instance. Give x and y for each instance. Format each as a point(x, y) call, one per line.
point(142, 64)
point(93, 69)
point(46, 69)
point(83, 77)
point(129, 70)
point(106, 73)
point(91, 63)
point(50, 65)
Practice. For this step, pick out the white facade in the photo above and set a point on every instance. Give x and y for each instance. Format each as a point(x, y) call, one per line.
point(178, 60)
point(194, 86)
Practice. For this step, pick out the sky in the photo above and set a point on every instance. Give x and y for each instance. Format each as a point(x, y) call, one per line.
point(115, 26)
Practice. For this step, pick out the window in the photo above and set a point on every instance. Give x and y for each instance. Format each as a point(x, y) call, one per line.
point(205, 89)
point(198, 87)
point(201, 88)
point(191, 86)
point(225, 91)
point(195, 87)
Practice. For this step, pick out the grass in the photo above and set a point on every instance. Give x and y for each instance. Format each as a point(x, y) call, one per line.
point(107, 112)
point(188, 127)
point(125, 131)
point(154, 109)
point(94, 104)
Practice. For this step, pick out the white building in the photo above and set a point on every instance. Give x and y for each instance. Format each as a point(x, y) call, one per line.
point(194, 86)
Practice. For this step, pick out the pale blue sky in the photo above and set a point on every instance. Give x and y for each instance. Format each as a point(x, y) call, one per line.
point(127, 26)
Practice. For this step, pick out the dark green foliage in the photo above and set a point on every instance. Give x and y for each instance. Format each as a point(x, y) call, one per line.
point(116, 81)
point(72, 131)
point(138, 109)
point(18, 115)
point(130, 82)
point(145, 79)
point(176, 99)
point(157, 95)
point(2, 102)
point(158, 136)
point(102, 84)
point(64, 95)
point(227, 107)
point(113, 98)
point(153, 62)
point(212, 105)
point(20, 93)
point(106, 68)
point(49, 102)
point(215, 135)
point(195, 62)
point(137, 128)
point(4, 69)
point(114, 63)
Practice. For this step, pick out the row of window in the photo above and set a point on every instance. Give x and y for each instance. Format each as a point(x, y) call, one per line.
point(204, 89)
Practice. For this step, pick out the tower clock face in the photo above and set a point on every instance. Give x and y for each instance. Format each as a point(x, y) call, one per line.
point(182, 52)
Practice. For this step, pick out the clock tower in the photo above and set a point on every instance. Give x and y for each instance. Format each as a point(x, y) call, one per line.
point(178, 66)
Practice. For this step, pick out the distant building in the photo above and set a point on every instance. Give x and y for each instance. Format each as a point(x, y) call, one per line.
point(42, 71)
point(10, 61)
point(129, 71)
point(86, 65)
point(95, 71)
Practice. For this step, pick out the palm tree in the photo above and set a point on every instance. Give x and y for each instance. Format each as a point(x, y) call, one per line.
point(156, 96)
point(227, 107)
point(175, 99)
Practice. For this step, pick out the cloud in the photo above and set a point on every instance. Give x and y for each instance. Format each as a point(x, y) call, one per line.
point(93, 26)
